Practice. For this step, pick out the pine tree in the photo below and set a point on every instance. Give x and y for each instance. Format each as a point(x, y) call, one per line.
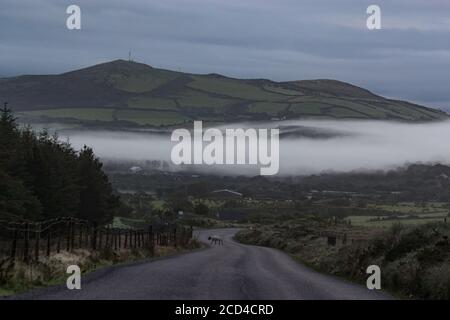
point(97, 201)
point(8, 137)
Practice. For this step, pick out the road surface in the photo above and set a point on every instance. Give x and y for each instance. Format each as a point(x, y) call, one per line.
point(231, 271)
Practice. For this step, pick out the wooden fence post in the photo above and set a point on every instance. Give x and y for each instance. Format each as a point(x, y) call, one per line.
point(69, 232)
point(94, 236)
point(58, 245)
point(182, 236)
point(86, 238)
point(107, 237)
point(175, 237)
point(49, 242)
point(14, 244)
point(72, 235)
point(138, 234)
point(37, 241)
point(80, 236)
point(150, 236)
point(100, 240)
point(26, 242)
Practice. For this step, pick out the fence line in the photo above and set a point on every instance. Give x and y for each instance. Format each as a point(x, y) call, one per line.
point(29, 241)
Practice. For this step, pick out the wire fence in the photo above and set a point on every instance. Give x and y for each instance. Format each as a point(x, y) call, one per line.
point(30, 241)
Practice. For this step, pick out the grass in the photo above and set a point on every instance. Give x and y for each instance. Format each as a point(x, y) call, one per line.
point(379, 222)
point(158, 204)
point(283, 91)
point(414, 260)
point(409, 207)
point(51, 271)
point(234, 88)
point(6, 292)
point(406, 213)
point(156, 118)
point(126, 223)
point(198, 100)
point(314, 108)
point(271, 108)
point(210, 203)
point(155, 103)
point(142, 82)
point(101, 114)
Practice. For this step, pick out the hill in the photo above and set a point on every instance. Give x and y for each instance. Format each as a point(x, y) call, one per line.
point(123, 93)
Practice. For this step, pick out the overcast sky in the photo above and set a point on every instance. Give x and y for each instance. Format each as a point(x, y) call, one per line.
point(277, 39)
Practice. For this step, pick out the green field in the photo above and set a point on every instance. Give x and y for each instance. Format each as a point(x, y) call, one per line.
point(152, 103)
point(158, 204)
point(126, 223)
point(272, 108)
point(405, 213)
point(155, 118)
point(101, 114)
point(234, 88)
point(201, 101)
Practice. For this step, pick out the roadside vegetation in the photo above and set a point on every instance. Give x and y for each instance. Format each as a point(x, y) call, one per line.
point(19, 276)
point(414, 260)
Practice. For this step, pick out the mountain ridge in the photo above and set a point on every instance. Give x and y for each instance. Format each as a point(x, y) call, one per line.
point(135, 94)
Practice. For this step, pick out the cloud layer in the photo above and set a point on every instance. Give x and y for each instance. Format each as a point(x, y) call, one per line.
point(359, 145)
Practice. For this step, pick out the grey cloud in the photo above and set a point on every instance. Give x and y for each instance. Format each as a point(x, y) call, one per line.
point(277, 39)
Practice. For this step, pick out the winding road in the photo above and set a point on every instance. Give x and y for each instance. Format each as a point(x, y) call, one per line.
point(232, 271)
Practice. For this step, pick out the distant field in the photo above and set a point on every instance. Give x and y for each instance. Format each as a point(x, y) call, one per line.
point(199, 100)
point(125, 223)
point(139, 117)
point(101, 114)
point(234, 89)
point(371, 221)
point(152, 103)
point(155, 118)
point(158, 204)
point(271, 108)
point(404, 213)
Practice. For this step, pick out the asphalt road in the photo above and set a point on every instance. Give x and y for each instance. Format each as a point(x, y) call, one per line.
point(231, 271)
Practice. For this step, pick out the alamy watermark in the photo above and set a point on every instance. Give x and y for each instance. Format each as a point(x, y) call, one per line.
point(374, 280)
point(74, 280)
point(73, 22)
point(373, 22)
point(235, 146)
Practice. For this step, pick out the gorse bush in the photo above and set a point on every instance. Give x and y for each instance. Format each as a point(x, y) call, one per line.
point(42, 177)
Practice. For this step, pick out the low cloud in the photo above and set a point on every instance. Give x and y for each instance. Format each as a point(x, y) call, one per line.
point(352, 146)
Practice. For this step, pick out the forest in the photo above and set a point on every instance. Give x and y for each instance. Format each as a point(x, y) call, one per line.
point(42, 177)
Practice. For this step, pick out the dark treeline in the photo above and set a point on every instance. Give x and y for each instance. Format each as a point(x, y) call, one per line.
point(42, 178)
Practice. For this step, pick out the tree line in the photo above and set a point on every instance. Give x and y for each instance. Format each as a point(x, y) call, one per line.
point(42, 177)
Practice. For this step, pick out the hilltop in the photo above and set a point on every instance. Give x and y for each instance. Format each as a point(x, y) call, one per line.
point(124, 93)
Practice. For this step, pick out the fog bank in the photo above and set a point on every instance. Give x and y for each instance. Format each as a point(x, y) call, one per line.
point(344, 146)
